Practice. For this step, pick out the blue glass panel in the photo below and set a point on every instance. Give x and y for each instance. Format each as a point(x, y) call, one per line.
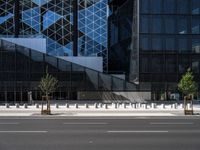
point(50, 18)
point(31, 17)
point(40, 2)
point(4, 18)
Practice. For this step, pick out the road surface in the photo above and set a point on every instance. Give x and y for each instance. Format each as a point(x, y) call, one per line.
point(109, 133)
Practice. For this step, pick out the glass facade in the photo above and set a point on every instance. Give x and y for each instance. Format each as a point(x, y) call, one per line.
point(55, 20)
point(21, 70)
point(169, 41)
point(120, 35)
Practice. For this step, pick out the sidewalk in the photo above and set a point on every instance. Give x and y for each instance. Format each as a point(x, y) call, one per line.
point(97, 111)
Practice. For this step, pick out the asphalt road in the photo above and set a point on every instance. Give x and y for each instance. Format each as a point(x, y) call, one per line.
point(136, 133)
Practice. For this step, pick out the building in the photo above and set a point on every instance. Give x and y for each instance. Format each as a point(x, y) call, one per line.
point(69, 37)
point(154, 42)
point(70, 28)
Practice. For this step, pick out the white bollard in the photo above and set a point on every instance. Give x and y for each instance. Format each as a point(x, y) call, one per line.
point(153, 105)
point(56, 105)
point(106, 106)
point(25, 105)
point(76, 105)
point(67, 105)
point(100, 105)
point(17, 105)
point(163, 106)
point(174, 106)
point(145, 106)
point(130, 105)
point(181, 106)
point(134, 105)
point(138, 105)
point(37, 106)
point(113, 105)
point(116, 105)
point(86, 106)
point(124, 105)
point(95, 105)
point(7, 105)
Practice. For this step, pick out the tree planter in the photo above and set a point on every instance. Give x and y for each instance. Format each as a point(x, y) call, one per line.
point(46, 111)
point(188, 105)
point(48, 85)
point(188, 87)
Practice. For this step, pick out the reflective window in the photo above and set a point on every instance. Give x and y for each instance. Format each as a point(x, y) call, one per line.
point(156, 24)
point(144, 24)
point(170, 44)
point(144, 43)
point(183, 64)
point(195, 66)
point(195, 26)
point(183, 45)
point(195, 6)
point(144, 6)
point(156, 6)
point(169, 6)
point(171, 64)
point(182, 25)
point(196, 45)
point(182, 6)
point(156, 43)
point(145, 64)
point(169, 24)
point(157, 63)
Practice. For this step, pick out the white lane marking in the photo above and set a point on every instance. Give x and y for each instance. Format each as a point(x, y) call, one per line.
point(137, 131)
point(23, 131)
point(9, 123)
point(171, 123)
point(86, 123)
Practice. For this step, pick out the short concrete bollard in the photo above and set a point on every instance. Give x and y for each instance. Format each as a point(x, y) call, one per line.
point(163, 106)
point(76, 105)
point(181, 106)
point(106, 106)
point(67, 105)
point(56, 105)
point(145, 106)
point(134, 105)
point(124, 105)
point(7, 105)
point(153, 105)
point(37, 106)
point(116, 105)
point(113, 105)
point(95, 105)
point(86, 106)
point(174, 106)
point(17, 105)
point(101, 105)
point(25, 105)
point(137, 105)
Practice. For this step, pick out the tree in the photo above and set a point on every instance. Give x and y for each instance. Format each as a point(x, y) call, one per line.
point(187, 85)
point(48, 85)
